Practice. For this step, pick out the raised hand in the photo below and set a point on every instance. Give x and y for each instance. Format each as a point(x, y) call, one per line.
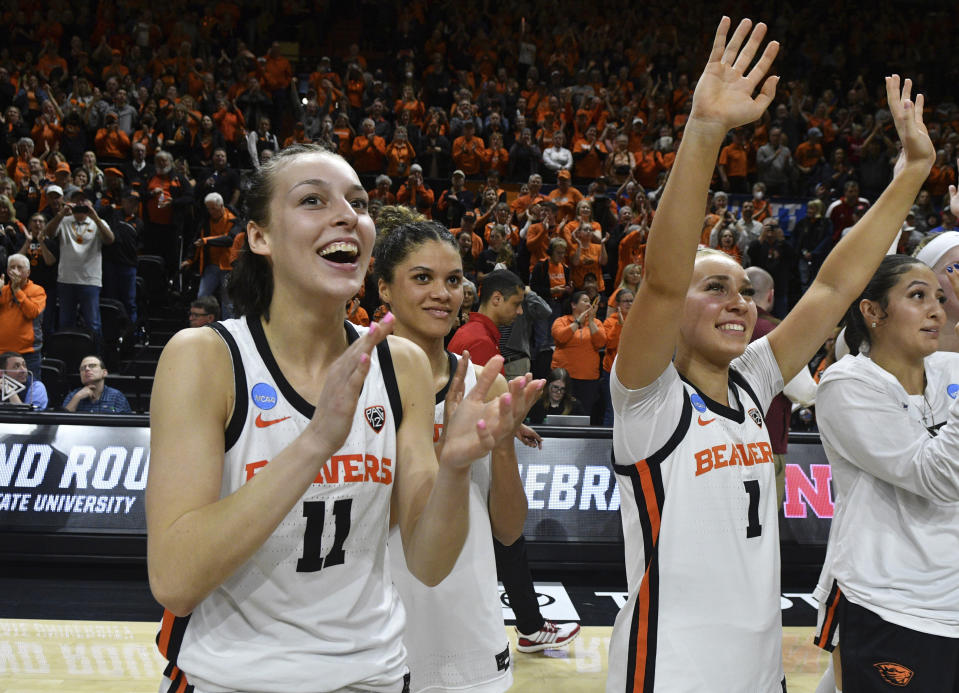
point(336, 405)
point(477, 426)
point(724, 93)
point(917, 148)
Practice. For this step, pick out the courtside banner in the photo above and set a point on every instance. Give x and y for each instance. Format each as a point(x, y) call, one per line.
point(73, 477)
point(573, 495)
point(57, 475)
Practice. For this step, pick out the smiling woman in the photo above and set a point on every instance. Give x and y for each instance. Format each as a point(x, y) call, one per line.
point(270, 496)
point(689, 392)
point(454, 632)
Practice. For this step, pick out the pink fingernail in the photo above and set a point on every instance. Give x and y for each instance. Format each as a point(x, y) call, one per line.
point(364, 359)
point(388, 318)
point(508, 398)
point(481, 424)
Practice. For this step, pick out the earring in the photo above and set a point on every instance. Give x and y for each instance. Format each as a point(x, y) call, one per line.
point(874, 324)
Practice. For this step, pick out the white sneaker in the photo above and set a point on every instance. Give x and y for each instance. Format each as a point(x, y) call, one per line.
point(550, 636)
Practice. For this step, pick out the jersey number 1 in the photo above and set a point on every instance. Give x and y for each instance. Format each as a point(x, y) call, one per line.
point(753, 529)
point(315, 514)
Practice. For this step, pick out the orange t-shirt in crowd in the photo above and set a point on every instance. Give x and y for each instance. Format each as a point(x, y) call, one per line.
point(399, 158)
point(512, 236)
point(589, 257)
point(359, 316)
point(648, 167)
point(367, 159)
point(733, 157)
point(468, 154)
point(537, 242)
point(496, 160)
point(524, 202)
point(113, 144)
point(807, 154)
point(171, 188)
point(19, 169)
point(557, 274)
point(592, 164)
point(231, 124)
point(577, 350)
point(565, 202)
point(614, 327)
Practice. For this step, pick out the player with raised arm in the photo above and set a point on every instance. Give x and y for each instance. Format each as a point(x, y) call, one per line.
point(692, 454)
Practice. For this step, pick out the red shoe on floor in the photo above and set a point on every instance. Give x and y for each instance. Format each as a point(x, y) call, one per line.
point(550, 636)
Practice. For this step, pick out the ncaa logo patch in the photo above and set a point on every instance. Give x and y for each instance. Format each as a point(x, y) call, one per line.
point(895, 674)
point(697, 402)
point(952, 390)
point(756, 417)
point(375, 417)
point(263, 395)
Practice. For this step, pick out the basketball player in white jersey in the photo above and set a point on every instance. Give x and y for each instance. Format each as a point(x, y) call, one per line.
point(692, 454)
point(281, 446)
point(454, 632)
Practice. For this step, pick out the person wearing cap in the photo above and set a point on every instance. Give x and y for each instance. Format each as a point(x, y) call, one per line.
point(82, 235)
point(120, 257)
point(116, 68)
point(565, 196)
point(455, 200)
point(53, 201)
point(63, 179)
point(415, 193)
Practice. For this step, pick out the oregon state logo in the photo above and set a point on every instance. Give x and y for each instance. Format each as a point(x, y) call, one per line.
point(895, 674)
point(756, 417)
point(375, 417)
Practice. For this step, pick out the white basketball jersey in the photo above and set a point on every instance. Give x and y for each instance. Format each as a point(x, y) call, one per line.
point(454, 632)
point(699, 516)
point(314, 608)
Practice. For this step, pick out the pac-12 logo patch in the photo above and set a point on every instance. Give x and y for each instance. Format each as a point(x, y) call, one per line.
point(375, 417)
point(953, 390)
point(264, 396)
point(756, 417)
point(697, 402)
point(893, 673)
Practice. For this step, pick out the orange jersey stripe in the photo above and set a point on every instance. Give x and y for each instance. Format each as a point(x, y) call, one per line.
point(643, 625)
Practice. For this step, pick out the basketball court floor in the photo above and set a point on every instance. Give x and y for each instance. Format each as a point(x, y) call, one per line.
point(79, 630)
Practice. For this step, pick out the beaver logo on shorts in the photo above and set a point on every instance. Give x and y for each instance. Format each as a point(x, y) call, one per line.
point(895, 674)
point(376, 417)
point(756, 417)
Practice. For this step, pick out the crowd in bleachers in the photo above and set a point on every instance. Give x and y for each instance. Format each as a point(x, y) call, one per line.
point(541, 133)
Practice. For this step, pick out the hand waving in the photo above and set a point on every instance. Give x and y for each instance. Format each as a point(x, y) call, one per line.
point(917, 148)
point(724, 93)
